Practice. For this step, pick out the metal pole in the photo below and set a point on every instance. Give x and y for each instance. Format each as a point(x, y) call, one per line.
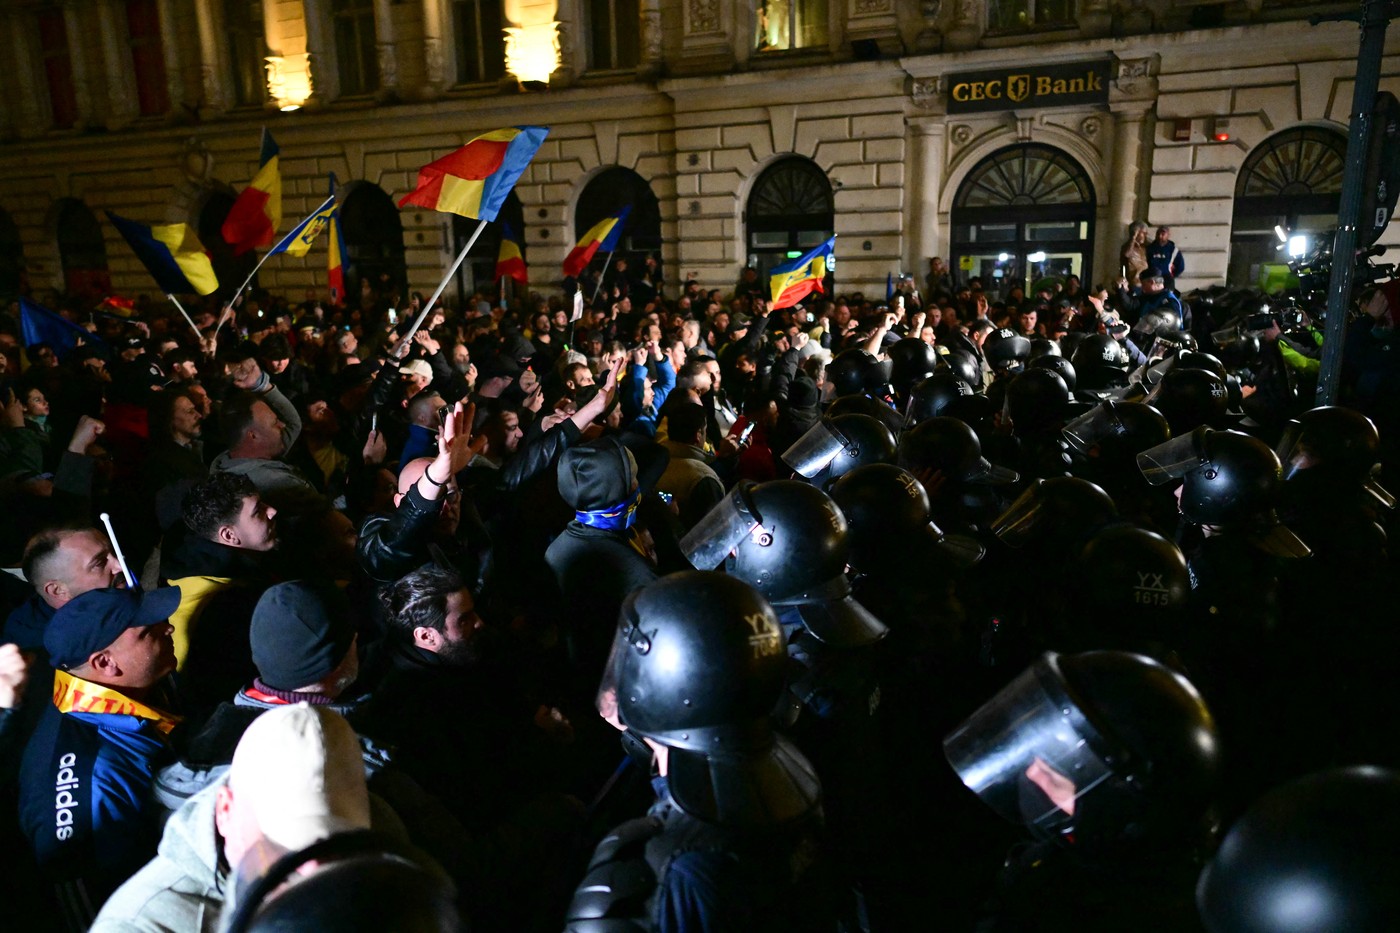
point(1375, 17)
point(601, 276)
point(461, 258)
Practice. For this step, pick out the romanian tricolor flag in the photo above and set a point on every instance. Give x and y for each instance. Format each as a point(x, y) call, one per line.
point(335, 263)
point(474, 180)
point(510, 263)
point(604, 235)
point(796, 279)
point(171, 253)
point(255, 216)
point(298, 240)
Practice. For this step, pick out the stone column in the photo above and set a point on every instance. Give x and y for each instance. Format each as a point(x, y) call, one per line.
point(29, 116)
point(213, 67)
point(966, 27)
point(122, 105)
point(437, 29)
point(386, 52)
point(80, 57)
point(925, 180)
point(650, 61)
point(1095, 18)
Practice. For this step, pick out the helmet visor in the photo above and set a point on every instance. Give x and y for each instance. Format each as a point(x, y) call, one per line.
point(1173, 459)
point(1016, 526)
point(627, 631)
point(1030, 753)
point(1092, 428)
point(723, 527)
point(962, 550)
point(1289, 450)
point(986, 473)
point(813, 452)
point(1384, 497)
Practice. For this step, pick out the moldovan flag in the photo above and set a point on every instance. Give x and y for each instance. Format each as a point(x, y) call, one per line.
point(509, 262)
point(171, 253)
point(335, 262)
point(474, 180)
point(299, 239)
point(255, 216)
point(796, 279)
point(604, 235)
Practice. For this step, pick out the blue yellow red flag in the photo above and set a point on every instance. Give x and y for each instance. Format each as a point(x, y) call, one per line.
point(255, 216)
point(171, 253)
point(510, 262)
point(474, 180)
point(796, 279)
point(604, 235)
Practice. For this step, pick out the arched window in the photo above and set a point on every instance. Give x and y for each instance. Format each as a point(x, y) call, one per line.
point(373, 242)
point(609, 192)
point(231, 270)
point(81, 251)
point(11, 258)
point(1293, 181)
point(478, 273)
point(1023, 215)
point(790, 210)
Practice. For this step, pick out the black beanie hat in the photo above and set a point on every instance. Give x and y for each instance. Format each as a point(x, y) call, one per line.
point(300, 633)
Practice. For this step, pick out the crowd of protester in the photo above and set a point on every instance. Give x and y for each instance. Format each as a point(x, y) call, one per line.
point(367, 587)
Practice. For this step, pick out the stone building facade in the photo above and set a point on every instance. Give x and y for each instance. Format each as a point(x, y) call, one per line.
point(1019, 138)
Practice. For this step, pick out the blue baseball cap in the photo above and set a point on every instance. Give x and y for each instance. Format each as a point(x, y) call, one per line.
point(92, 621)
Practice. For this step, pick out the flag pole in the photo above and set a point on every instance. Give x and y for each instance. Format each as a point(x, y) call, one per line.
point(601, 275)
point(232, 302)
point(442, 286)
point(176, 302)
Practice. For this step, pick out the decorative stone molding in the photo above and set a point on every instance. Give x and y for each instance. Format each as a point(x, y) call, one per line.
point(926, 92)
point(703, 17)
point(1091, 127)
point(434, 65)
point(872, 7)
point(961, 135)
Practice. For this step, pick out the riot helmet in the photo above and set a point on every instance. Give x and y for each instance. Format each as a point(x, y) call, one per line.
point(1057, 364)
point(1316, 855)
point(789, 540)
point(948, 445)
point(1096, 750)
point(932, 395)
point(1036, 400)
point(962, 364)
point(698, 663)
point(855, 372)
point(1189, 397)
point(1006, 351)
point(1335, 444)
point(1100, 362)
point(1115, 429)
point(1055, 511)
point(1199, 359)
point(1138, 588)
point(865, 405)
point(887, 512)
point(1229, 479)
point(1042, 347)
point(911, 360)
point(834, 446)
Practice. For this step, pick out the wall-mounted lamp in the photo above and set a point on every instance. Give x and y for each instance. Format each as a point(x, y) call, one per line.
point(532, 52)
point(289, 80)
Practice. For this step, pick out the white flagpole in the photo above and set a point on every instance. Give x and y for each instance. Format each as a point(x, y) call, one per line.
point(461, 258)
point(117, 549)
point(175, 301)
point(601, 275)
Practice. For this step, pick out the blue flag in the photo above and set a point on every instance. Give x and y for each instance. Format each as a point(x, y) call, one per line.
point(38, 324)
point(615, 234)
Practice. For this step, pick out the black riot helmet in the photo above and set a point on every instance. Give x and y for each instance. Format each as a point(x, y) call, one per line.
point(1058, 512)
point(1136, 595)
point(1100, 362)
point(1316, 855)
point(1036, 400)
point(1115, 430)
point(1229, 479)
point(865, 405)
point(949, 446)
point(1006, 351)
point(834, 446)
point(911, 360)
point(1042, 347)
point(887, 515)
point(932, 395)
point(789, 540)
point(698, 663)
point(361, 882)
point(1336, 445)
point(855, 372)
point(963, 364)
point(1189, 398)
point(1057, 364)
point(1104, 750)
point(1199, 359)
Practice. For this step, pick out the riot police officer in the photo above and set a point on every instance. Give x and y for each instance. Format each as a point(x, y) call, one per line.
point(696, 668)
point(963, 486)
point(834, 446)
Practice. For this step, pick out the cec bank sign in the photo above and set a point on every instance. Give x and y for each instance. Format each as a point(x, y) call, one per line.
point(1023, 88)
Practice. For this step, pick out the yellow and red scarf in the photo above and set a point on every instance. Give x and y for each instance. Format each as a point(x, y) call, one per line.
point(74, 695)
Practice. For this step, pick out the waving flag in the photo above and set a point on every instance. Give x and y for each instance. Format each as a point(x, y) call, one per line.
point(604, 235)
point(474, 180)
point(510, 263)
point(299, 239)
point(38, 324)
point(335, 262)
point(171, 253)
point(255, 216)
point(794, 280)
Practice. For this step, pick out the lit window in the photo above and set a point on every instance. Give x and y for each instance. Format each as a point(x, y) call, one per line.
point(481, 50)
point(612, 34)
point(1020, 15)
point(353, 25)
point(143, 27)
point(791, 24)
point(58, 67)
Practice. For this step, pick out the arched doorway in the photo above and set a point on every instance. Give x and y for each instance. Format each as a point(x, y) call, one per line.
point(81, 251)
point(1024, 214)
point(373, 242)
point(231, 270)
point(12, 281)
point(790, 210)
point(478, 273)
point(609, 192)
point(1292, 181)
